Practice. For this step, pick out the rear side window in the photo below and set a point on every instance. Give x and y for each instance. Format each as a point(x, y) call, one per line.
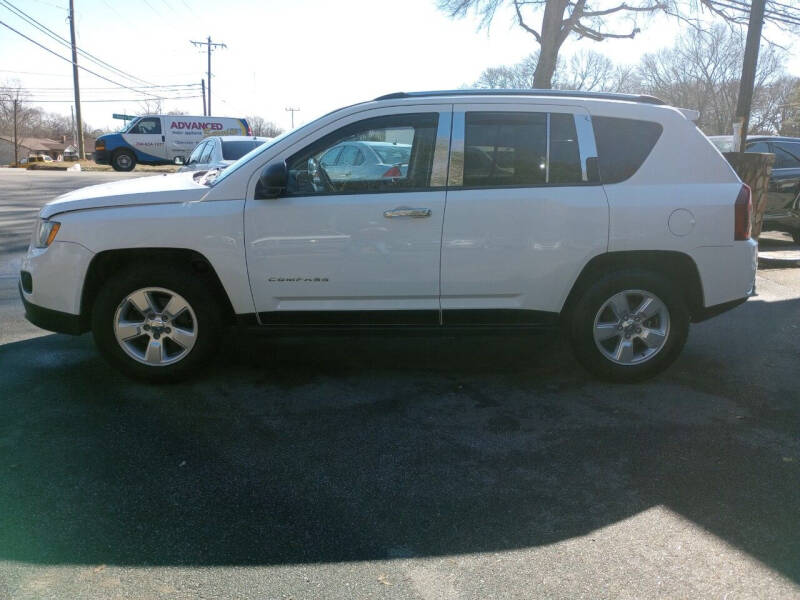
point(505, 149)
point(623, 145)
point(565, 158)
point(787, 155)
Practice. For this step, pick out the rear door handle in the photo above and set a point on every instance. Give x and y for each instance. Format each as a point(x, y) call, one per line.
point(404, 211)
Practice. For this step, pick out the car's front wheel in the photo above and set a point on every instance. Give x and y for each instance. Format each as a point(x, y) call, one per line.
point(157, 325)
point(123, 160)
point(629, 325)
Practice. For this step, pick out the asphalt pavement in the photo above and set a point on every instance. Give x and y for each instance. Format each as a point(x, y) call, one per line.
point(408, 467)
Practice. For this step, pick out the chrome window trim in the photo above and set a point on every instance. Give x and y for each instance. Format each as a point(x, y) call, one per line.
point(441, 152)
point(547, 151)
point(456, 174)
point(587, 147)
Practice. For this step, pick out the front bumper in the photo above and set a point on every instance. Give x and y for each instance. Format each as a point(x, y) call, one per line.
point(101, 157)
point(55, 280)
point(52, 320)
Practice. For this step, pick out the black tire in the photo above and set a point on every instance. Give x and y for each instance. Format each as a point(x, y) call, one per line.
point(796, 236)
point(123, 160)
point(192, 287)
point(581, 323)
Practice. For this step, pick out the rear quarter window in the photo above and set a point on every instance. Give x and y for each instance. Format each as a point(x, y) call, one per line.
point(623, 145)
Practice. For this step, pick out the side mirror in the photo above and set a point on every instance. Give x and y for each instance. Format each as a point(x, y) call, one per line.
point(178, 160)
point(273, 181)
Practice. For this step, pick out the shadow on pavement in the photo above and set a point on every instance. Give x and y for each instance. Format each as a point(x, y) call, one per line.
point(340, 449)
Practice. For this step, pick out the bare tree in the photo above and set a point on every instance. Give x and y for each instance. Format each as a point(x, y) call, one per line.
point(560, 19)
point(702, 72)
point(262, 127)
point(15, 116)
point(150, 106)
point(585, 70)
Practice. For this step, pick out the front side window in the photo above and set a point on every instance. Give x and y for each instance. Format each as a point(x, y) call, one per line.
point(787, 155)
point(406, 141)
point(150, 125)
point(331, 157)
point(348, 157)
point(197, 153)
point(209, 150)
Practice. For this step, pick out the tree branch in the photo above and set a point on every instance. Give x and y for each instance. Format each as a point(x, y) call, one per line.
point(598, 36)
point(522, 23)
point(623, 6)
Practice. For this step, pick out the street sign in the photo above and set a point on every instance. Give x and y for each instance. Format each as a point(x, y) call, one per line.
point(123, 117)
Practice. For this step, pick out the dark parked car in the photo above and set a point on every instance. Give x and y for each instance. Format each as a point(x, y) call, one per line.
point(783, 199)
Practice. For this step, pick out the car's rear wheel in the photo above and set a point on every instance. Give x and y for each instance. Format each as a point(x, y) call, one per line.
point(156, 324)
point(629, 325)
point(123, 160)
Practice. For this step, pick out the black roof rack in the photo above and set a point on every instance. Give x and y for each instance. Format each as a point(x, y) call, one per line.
point(645, 99)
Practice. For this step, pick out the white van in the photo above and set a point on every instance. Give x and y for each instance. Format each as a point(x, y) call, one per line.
point(160, 139)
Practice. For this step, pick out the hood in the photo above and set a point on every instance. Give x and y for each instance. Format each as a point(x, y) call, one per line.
point(159, 189)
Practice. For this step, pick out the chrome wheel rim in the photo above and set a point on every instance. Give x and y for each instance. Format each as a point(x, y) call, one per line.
point(123, 161)
point(631, 327)
point(155, 326)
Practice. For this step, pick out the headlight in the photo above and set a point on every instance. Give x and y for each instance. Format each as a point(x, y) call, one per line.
point(45, 233)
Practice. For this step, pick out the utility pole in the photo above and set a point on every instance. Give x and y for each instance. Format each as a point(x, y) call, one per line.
point(79, 139)
point(16, 139)
point(745, 99)
point(72, 122)
point(210, 46)
point(292, 110)
point(203, 86)
point(15, 103)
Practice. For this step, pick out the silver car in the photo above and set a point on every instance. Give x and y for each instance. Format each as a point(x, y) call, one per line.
point(221, 151)
point(366, 161)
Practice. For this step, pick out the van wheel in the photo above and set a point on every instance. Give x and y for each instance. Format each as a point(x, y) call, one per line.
point(123, 160)
point(629, 325)
point(157, 324)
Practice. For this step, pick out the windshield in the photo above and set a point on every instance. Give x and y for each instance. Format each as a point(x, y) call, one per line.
point(236, 150)
point(126, 128)
point(249, 156)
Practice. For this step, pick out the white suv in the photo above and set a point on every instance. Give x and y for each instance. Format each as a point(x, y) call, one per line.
point(611, 215)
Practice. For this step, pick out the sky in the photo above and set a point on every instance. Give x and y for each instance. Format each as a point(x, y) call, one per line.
point(315, 55)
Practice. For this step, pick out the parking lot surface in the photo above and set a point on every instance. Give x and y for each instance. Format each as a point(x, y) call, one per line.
point(407, 467)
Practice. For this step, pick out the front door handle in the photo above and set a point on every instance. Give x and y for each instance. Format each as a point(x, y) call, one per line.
point(404, 211)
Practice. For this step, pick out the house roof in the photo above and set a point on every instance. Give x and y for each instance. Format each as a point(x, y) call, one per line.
point(48, 145)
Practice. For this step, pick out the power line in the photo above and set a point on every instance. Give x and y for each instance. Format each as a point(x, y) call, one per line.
point(83, 100)
point(162, 88)
point(63, 41)
point(6, 25)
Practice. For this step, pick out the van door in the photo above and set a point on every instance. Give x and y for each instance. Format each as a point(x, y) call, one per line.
point(333, 251)
point(525, 211)
point(147, 137)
